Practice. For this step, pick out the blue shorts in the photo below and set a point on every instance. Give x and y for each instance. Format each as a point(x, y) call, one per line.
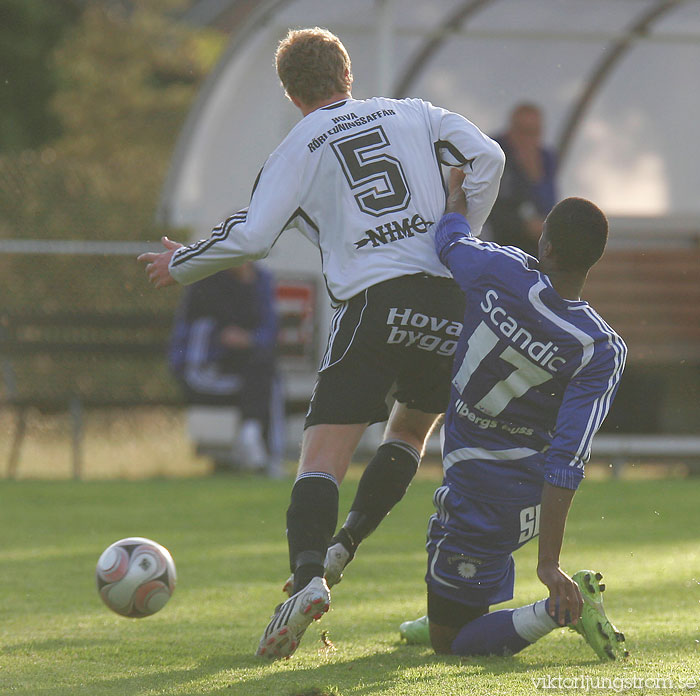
point(471, 541)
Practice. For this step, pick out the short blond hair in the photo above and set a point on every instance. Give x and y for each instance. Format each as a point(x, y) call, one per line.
point(312, 65)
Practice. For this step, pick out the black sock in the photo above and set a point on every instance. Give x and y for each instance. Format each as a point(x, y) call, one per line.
point(311, 519)
point(383, 483)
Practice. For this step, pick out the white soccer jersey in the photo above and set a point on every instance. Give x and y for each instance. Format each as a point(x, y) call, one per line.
point(362, 180)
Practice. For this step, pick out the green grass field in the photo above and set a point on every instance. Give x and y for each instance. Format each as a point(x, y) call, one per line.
point(227, 537)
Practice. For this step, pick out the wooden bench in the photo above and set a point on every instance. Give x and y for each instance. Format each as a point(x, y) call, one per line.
point(651, 297)
point(73, 361)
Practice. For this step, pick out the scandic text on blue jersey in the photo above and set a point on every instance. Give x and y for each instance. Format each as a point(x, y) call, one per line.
point(542, 353)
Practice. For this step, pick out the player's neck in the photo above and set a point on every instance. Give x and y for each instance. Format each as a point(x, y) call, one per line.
point(308, 108)
point(568, 284)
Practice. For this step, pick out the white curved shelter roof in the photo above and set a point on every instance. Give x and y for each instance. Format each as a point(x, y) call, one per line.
point(618, 81)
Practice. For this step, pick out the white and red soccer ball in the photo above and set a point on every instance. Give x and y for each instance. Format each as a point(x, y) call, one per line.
point(135, 577)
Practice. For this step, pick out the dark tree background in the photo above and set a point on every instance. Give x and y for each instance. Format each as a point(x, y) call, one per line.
point(30, 30)
point(94, 96)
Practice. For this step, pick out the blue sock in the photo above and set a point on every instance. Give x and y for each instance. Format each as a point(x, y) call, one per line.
point(490, 634)
point(504, 632)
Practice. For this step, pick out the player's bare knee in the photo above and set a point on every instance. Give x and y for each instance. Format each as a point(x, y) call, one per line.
point(416, 437)
point(329, 448)
point(441, 638)
point(412, 427)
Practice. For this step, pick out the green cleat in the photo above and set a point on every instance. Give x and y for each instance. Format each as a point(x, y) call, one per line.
point(416, 632)
point(597, 630)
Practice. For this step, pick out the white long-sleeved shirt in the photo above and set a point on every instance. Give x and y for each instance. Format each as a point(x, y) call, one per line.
point(361, 179)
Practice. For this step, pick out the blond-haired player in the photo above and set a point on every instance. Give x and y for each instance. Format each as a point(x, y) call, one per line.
point(362, 180)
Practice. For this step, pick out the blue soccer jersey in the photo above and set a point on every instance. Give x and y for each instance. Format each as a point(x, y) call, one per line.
point(534, 374)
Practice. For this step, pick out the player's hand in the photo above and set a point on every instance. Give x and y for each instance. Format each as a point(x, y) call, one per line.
point(456, 200)
point(157, 264)
point(564, 593)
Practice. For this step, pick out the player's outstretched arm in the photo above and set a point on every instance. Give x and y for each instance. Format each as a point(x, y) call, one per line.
point(158, 264)
point(564, 593)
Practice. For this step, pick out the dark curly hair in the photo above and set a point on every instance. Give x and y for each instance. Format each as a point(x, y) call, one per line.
point(578, 232)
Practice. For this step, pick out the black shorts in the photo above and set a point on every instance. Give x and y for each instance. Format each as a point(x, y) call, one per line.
point(403, 331)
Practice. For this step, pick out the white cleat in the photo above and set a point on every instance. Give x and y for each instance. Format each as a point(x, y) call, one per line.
point(288, 587)
point(286, 628)
point(337, 557)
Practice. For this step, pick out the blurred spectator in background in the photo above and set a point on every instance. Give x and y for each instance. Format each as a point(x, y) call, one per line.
point(222, 352)
point(528, 189)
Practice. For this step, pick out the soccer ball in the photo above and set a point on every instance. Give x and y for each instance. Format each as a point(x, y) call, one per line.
point(135, 577)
